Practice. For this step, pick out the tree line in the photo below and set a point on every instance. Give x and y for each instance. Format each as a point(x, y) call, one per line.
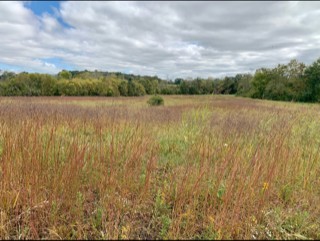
point(294, 81)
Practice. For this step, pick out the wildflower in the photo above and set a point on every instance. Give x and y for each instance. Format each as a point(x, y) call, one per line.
point(187, 214)
point(253, 219)
point(125, 232)
point(219, 234)
point(265, 186)
point(163, 198)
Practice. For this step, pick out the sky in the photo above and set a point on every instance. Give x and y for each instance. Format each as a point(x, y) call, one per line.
point(167, 39)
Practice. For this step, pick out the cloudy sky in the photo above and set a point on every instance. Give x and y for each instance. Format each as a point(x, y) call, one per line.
point(168, 39)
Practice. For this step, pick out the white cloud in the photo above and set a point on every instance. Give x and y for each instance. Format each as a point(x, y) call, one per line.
point(178, 39)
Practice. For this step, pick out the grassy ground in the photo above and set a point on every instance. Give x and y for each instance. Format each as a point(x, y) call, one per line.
point(199, 167)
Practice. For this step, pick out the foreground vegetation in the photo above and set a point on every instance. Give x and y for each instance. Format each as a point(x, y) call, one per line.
point(200, 167)
point(288, 82)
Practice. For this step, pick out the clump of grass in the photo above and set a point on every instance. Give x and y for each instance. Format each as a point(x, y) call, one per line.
point(156, 100)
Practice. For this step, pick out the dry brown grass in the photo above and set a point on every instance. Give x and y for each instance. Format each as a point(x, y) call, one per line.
point(200, 167)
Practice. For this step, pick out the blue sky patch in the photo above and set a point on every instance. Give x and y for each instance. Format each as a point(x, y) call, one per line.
point(58, 62)
point(8, 67)
point(41, 7)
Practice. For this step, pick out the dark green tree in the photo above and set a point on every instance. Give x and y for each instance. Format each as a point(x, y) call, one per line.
point(312, 75)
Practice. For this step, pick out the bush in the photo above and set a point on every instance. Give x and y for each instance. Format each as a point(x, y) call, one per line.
point(156, 100)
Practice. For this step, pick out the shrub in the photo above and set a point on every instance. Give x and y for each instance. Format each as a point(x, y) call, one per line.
point(156, 100)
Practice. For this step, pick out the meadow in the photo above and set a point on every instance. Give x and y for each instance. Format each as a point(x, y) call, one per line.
point(199, 167)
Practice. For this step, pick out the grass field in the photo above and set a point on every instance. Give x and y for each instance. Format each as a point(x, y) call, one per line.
point(199, 167)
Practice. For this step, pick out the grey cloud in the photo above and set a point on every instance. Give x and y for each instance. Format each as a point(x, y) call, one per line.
point(178, 39)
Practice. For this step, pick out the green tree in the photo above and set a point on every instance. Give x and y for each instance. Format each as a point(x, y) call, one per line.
point(47, 85)
point(123, 88)
point(64, 74)
point(244, 84)
point(7, 75)
point(135, 88)
point(312, 76)
point(260, 81)
point(150, 85)
point(68, 88)
point(229, 85)
point(184, 87)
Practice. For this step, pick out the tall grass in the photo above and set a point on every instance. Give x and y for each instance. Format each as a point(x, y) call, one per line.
point(205, 167)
